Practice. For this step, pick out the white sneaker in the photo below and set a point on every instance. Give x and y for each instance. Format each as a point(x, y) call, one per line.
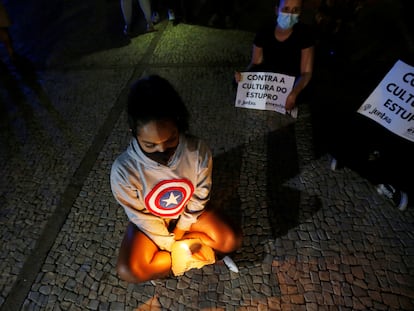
point(334, 164)
point(398, 197)
point(150, 27)
point(155, 17)
point(213, 20)
point(171, 15)
point(230, 264)
point(156, 282)
point(127, 30)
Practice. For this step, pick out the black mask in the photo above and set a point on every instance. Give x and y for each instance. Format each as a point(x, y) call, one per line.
point(161, 157)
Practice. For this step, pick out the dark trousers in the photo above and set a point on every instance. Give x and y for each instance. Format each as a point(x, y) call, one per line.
point(373, 151)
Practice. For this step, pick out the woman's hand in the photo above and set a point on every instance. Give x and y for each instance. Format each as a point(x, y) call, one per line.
point(290, 101)
point(237, 76)
point(178, 233)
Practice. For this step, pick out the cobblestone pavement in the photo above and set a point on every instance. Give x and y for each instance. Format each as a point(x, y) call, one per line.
point(314, 239)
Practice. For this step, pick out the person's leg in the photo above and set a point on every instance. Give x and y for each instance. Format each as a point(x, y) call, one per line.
point(155, 5)
point(146, 10)
point(139, 258)
point(352, 142)
point(227, 10)
point(394, 168)
point(126, 8)
point(379, 156)
point(175, 10)
point(5, 38)
point(214, 12)
point(5, 23)
point(217, 232)
point(155, 17)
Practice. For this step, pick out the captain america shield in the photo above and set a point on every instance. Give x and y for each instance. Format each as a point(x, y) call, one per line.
point(169, 197)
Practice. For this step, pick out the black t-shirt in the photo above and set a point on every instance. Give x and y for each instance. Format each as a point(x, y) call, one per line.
point(283, 56)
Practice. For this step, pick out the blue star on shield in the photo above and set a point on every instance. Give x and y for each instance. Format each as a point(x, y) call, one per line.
point(171, 199)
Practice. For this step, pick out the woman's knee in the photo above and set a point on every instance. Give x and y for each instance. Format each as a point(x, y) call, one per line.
point(237, 240)
point(124, 273)
point(133, 274)
point(140, 271)
point(4, 36)
point(230, 240)
point(232, 235)
point(225, 234)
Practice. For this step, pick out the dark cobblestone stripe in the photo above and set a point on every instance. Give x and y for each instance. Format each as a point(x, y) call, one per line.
point(35, 261)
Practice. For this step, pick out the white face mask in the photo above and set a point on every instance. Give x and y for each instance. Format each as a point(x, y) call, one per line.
point(287, 20)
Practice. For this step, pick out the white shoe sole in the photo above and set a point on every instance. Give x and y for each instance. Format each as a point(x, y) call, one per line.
point(230, 264)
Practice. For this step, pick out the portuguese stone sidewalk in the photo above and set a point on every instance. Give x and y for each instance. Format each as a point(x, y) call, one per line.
point(314, 239)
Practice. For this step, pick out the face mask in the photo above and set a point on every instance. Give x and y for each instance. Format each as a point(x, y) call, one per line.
point(161, 157)
point(287, 20)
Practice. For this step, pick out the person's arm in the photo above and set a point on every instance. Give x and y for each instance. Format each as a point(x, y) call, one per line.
point(257, 59)
point(201, 195)
point(126, 194)
point(306, 69)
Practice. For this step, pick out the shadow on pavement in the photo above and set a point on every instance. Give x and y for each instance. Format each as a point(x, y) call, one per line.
point(226, 182)
point(287, 207)
point(18, 110)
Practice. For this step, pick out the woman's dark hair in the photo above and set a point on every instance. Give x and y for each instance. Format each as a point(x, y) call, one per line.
point(278, 2)
point(153, 98)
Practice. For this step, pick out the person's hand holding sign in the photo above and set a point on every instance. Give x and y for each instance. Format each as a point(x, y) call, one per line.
point(237, 76)
point(290, 101)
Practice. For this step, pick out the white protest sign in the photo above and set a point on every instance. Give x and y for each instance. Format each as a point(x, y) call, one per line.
point(264, 91)
point(391, 104)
